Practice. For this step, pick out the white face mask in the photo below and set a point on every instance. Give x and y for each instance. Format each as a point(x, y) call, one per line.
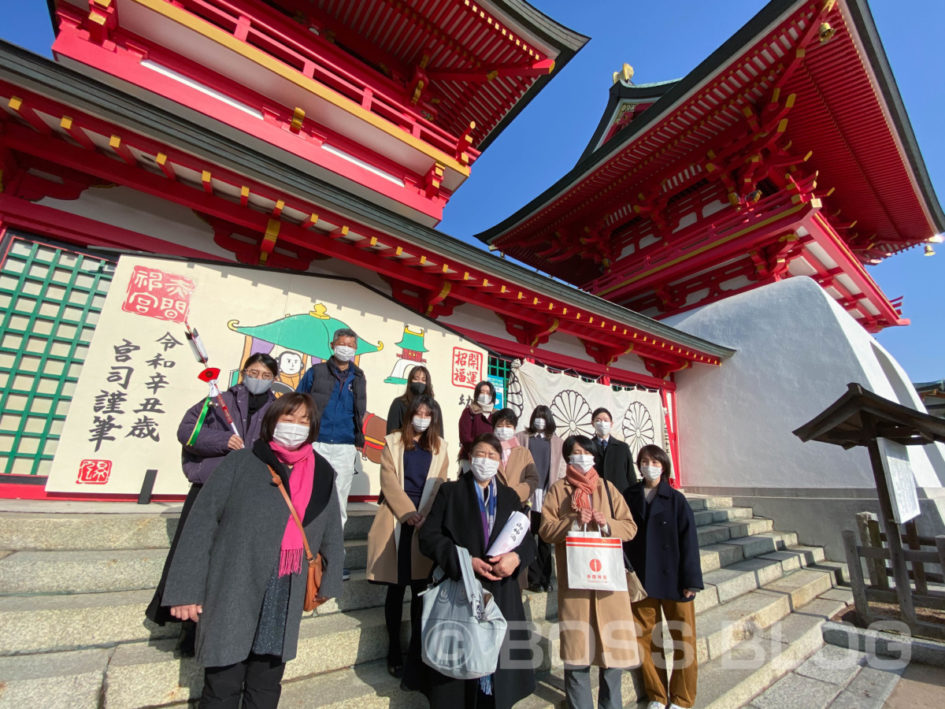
point(257, 386)
point(538, 424)
point(343, 353)
point(484, 400)
point(420, 423)
point(504, 433)
point(484, 469)
point(290, 435)
point(582, 462)
point(651, 472)
point(602, 428)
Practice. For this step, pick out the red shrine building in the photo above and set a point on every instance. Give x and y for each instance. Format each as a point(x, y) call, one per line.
point(327, 137)
point(788, 152)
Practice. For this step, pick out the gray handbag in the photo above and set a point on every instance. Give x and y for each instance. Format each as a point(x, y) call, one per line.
point(462, 627)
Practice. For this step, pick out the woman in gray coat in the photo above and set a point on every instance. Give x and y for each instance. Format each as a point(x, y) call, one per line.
point(239, 569)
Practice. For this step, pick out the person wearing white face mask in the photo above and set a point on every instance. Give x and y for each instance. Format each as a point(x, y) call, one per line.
point(477, 418)
point(240, 571)
point(206, 437)
point(612, 457)
point(517, 468)
point(419, 383)
point(414, 464)
point(545, 447)
point(339, 389)
point(596, 626)
point(665, 555)
point(471, 513)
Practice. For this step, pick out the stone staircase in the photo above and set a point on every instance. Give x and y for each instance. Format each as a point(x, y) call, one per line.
point(75, 579)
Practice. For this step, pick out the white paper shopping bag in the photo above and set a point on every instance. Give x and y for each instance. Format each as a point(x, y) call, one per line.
point(595, 563)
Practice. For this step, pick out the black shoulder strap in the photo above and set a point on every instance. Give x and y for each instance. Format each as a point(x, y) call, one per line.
point(626, 559)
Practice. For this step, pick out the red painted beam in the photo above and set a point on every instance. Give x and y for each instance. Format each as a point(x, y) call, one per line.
point(74, 229)
point(510, 348)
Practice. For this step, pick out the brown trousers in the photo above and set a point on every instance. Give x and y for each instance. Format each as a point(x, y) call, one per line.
point(682, 628)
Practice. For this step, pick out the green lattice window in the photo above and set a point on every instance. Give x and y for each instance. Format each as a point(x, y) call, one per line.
point(50, 299)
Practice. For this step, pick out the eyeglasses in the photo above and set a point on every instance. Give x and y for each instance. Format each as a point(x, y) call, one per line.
point(265, 375)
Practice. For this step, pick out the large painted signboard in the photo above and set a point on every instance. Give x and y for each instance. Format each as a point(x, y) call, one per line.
point(140, 375)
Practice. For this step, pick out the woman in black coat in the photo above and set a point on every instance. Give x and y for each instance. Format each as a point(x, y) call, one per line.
point(240, 569)
point(206, 438)
point(458, 519)
point(665, 555)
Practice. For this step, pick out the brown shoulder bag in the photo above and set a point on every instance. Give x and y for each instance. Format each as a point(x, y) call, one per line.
point(314, 580)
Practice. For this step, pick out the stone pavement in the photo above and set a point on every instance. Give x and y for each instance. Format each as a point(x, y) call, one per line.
point(920, 686)
point(838, 678)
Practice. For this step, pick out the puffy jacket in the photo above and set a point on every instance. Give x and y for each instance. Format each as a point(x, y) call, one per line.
point(320, 382)
point(208, 451)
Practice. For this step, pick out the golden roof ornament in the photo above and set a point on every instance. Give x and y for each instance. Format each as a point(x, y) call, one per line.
point(625, 74)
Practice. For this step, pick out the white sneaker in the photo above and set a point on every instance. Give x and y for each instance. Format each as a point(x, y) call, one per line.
point(675, 706)
point(655, 705)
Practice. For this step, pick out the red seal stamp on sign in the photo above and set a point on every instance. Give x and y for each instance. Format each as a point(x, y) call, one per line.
point(156, 294)
point(94, 472)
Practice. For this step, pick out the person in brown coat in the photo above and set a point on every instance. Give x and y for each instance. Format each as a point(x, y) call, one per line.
point(413, 466)
point(517, 469)
point(596, 626)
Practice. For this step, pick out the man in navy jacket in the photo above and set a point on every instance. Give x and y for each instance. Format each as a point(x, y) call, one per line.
point(339, 389)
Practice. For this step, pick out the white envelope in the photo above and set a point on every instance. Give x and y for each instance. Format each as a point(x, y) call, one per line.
point(511, 535)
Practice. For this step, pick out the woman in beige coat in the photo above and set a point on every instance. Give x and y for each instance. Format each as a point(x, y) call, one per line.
point(517, 469)
point(413, 466)
point(596, 626)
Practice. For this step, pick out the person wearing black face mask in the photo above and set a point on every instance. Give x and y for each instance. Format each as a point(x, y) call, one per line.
point(419, 383)
point(206, 438)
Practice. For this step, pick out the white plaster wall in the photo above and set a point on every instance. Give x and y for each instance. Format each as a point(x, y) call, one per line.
point(140, 212)
point(796, 351)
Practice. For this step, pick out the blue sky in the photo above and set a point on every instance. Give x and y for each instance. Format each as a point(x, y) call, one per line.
point(665, 41)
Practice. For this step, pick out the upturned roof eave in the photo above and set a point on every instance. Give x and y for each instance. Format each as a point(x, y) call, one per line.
point(567, 41)
point(620, 92)
point(83, 93)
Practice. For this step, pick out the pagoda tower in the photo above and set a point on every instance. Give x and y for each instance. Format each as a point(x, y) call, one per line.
point(787, 152)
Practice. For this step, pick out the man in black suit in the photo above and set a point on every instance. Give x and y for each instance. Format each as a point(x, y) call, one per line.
point(612, 458)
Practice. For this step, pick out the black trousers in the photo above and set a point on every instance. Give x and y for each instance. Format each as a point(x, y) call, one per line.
point(539, 571)
point(257, 680)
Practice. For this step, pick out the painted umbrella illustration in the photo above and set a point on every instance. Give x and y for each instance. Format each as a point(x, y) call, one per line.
point(308, 334)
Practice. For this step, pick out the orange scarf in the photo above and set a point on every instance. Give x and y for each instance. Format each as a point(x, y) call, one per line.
point(584, 486)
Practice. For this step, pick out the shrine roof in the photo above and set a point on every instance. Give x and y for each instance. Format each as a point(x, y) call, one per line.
point(848, 113)
point(859, 417)
point(480, 62)
point(146, 128)
point(623, 93)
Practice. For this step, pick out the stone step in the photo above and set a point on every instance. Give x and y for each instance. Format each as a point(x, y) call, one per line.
point(99, 571)
point(721, 531)
point(724, 681)
point(721, 585)
point(730, 514)
point(69, 680)
point(707, 502)
point(38, 531)
point(64, 621)
point(737, 675)
point(149, 674)
point(774, 545)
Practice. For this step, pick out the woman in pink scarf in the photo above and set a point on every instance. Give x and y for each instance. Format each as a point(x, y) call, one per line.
point(239, 570)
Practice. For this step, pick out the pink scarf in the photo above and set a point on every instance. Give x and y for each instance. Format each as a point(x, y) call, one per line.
point(507, 447)
point(301, 482)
